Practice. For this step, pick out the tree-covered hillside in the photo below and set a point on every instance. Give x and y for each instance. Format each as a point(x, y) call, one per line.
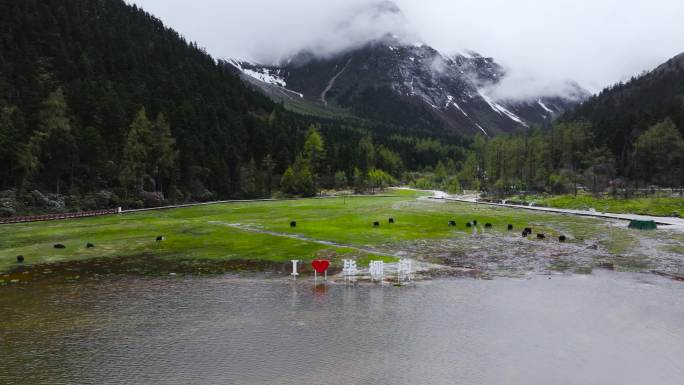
point(622, 113)
point(627, 139)
point(74, 74)
point(101, 97)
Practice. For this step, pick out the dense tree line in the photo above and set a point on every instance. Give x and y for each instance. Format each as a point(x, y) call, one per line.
point(567, 155)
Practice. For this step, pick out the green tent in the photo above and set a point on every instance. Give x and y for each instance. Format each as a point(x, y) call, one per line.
point(643, 225)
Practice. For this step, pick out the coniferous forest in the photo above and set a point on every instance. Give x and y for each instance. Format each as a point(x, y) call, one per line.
point(102, 105)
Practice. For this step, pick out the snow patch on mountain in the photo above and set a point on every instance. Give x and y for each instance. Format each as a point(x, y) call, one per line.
point(482, 129)
point(542, 105)
point(263, 74)
point(501, 109)
point(451, 102)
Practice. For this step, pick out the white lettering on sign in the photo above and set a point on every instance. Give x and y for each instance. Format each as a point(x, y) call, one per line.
point(404, 270)
point(377, 270)
point(294, 268)
point(349, 268)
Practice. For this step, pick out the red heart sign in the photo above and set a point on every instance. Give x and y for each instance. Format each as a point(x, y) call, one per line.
point(320, 265)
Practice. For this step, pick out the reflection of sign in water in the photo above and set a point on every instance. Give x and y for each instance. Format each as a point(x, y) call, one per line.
point(377, 270)
point(320, 290)
point(404, 270)
point(294, 268)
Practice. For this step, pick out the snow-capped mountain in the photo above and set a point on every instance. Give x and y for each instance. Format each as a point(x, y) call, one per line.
point(409, 84)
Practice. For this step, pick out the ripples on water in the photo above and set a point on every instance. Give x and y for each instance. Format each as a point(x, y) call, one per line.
point(606, 328)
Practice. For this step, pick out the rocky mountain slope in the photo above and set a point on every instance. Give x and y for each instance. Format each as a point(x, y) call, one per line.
point(406, 83)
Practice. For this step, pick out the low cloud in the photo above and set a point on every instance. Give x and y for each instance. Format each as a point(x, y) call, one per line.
point(542, 44)
point(523, 85)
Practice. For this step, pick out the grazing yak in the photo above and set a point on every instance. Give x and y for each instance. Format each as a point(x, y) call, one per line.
point(391, 220)
point(160, 238)
point(20, 258)
point(541, 236)
point(510, 227)
point(60, 246)
point(293, 224)
point(452, 223)
point(89, 245)
point(562, 238)
point(488, 225)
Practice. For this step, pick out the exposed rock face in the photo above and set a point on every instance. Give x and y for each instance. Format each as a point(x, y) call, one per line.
point(407, 84)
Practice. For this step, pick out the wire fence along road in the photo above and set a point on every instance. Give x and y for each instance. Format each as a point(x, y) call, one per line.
point(54, 217)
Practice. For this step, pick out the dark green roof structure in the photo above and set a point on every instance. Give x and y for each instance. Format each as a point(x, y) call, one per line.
point(643, 225)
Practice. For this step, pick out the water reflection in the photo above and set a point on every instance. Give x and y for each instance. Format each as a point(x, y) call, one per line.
point(598, 329)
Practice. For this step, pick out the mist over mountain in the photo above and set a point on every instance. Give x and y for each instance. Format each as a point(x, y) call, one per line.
point(409, 83)
point(540, 46)
point(368, 23)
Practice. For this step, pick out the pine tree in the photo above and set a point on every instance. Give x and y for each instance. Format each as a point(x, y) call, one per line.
point(268, 165)
point(53, 144)
point(11, 122)
point(314, 153)
point(162, 152)
point(135, 154)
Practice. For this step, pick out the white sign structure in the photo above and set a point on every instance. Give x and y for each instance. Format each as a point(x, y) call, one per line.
point(404, 270)
point(350, 268)
point(377, 270)
point(294, 268)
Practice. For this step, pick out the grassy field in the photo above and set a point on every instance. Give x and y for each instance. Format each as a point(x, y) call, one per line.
point(645, 206)
point(231, 231)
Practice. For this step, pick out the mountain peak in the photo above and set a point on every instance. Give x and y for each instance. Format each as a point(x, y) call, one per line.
point(386, 7)
point(392, 79)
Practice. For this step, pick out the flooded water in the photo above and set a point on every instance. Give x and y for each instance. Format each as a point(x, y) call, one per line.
point(604, 328)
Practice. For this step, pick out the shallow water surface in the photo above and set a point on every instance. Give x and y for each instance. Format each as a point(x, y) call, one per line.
point(604, 328)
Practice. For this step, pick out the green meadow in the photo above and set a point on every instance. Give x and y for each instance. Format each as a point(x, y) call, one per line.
point(334, 228)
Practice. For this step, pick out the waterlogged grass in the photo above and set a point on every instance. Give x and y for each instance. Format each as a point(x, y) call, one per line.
point(645, 206)
point(232, 231)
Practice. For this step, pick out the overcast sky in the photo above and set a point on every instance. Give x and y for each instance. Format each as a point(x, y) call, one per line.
point(541, 42)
